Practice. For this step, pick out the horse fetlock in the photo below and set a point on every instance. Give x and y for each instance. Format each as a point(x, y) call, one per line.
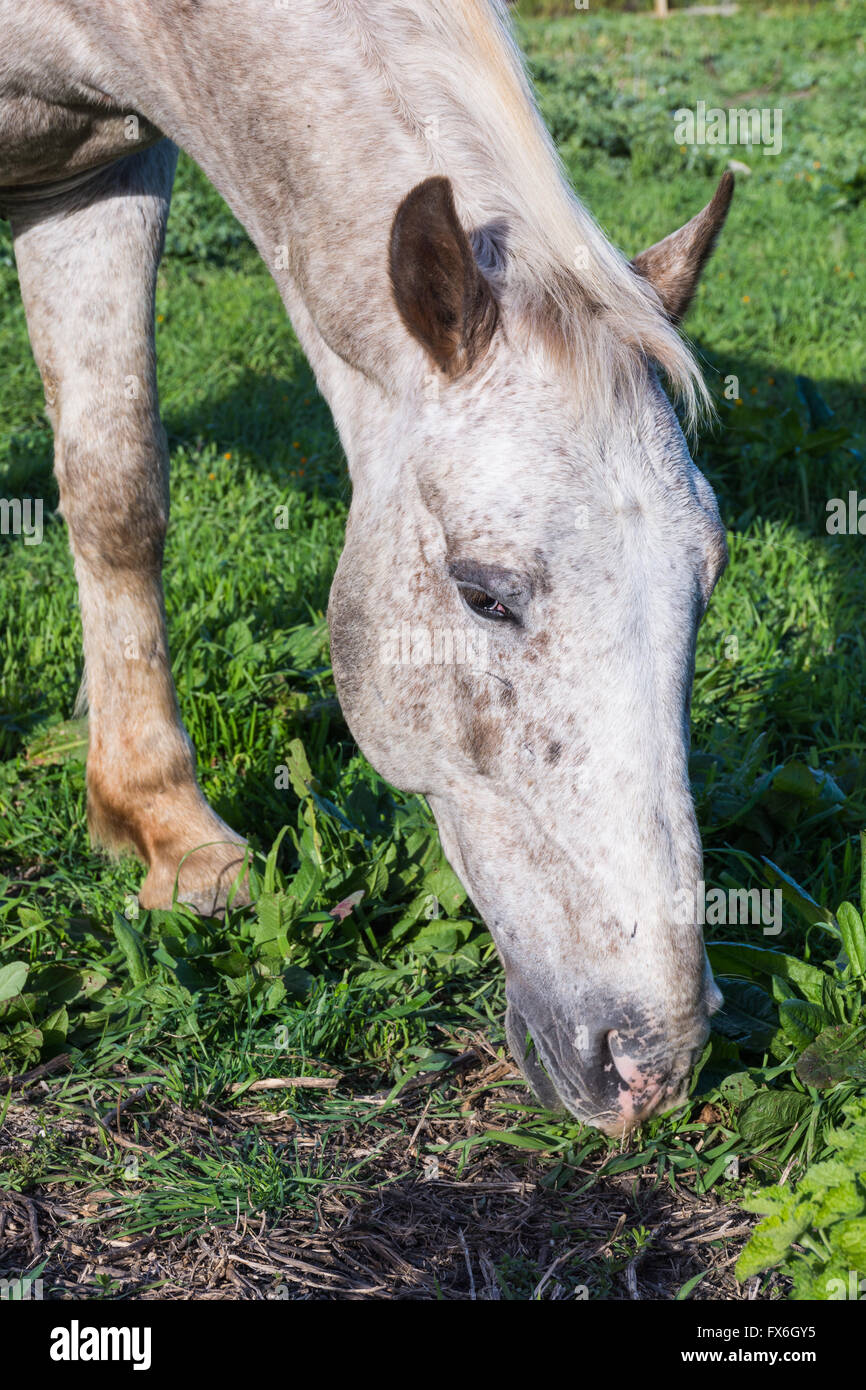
point(191, 854)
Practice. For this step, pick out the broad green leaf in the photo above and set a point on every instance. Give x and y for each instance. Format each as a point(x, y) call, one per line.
point(756, 962)
point(443, 935)
point(848, 1239)
point(801, 1021)
point(232, 963)
point(273, 913)
point(376, 881)
point(300, 774)
point(853, 938)
point(305, 884)
point(800, 900)
point(12, 978)
point(845, 1199)
point(130, 943)
point(807, 784)
point(770, 1113)
point(771, 1201)
point(66, 984)
point(770, 1242)
point(738, 1086)
point(833, 1172)
point(30, 916)
point(22, 1046)
point(444, 885)
point(748, 1015)
point(837, 1054)
point(55, 1027)
point(270, 875)
point(832, 1282)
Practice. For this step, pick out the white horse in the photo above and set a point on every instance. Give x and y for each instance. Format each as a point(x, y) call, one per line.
point(519, 476)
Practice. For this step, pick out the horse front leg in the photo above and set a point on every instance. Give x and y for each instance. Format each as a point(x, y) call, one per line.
point(87, 264)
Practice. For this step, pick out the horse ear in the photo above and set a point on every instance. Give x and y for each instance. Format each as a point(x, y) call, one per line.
point(442, 296)
point(673, 266)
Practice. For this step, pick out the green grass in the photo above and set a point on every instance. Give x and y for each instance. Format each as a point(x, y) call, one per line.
point(390, 992)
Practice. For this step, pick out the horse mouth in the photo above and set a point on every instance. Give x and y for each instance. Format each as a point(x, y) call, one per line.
point(605, 1096)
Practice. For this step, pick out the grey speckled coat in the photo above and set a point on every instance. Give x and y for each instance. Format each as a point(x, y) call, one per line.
point(529, 549)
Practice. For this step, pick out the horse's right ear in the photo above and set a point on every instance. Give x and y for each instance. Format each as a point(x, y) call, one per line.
point(442, 296)
point(673, 266)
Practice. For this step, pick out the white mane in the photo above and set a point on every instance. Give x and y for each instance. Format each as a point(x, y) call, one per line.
point(455, 78)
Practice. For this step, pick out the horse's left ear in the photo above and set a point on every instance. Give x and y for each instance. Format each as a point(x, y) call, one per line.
point(673, 266)
point(442, 296)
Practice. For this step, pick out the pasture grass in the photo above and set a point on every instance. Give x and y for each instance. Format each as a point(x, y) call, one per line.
point(143, 1023)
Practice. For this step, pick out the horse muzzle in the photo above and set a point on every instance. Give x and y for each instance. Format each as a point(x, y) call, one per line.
point(612, 1069)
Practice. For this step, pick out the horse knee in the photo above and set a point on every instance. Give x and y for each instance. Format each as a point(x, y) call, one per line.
point(114, 498)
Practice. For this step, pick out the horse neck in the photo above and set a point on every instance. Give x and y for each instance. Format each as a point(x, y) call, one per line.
point(279, 109)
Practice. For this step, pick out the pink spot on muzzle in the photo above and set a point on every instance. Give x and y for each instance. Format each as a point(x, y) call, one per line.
point(644, 1087)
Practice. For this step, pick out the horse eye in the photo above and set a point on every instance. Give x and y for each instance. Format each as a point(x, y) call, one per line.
point(485, 605)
